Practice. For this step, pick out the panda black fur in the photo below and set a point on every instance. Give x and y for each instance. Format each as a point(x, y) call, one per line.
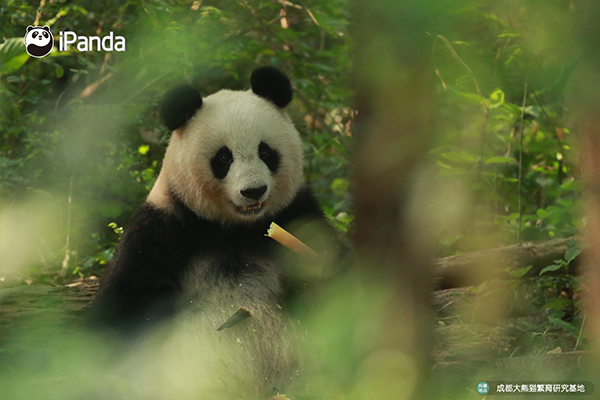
point(195, 252)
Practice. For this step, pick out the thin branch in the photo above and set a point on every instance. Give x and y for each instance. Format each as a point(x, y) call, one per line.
point(58, 99)
point(289, 3)
point(38, 16)
point(68, 251)
point(437, 72)
point(91, 88)
point(484, 133)
point(562, 149)
point(460, 61)
point(40, 254)
point(521, 160)
point(580, 332)
point(310, 14)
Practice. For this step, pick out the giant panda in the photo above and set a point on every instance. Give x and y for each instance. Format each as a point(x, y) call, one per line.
point(196, 252)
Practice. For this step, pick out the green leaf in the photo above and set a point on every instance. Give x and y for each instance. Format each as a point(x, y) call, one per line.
point(564, 325)
point(60, 71)
point(479, 289)
point(340, 186)
point(557, 303)
point(542, 213)
point(573, 185)
point(518, 273)
point(553, 267)
point(472, 97)
point(509, 34)
point(459, 157)
point(497, 98)
point(512, 56)
point(500, 160)
point(572, 253)
point(267, 52)
point(12, 55)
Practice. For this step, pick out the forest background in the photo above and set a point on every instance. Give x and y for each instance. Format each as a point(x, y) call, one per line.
point(81, 143)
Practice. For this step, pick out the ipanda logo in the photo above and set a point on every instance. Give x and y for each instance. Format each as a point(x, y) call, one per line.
point(39, 41)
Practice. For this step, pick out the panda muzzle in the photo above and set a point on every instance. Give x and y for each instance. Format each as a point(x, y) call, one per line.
point(256, 206)
point(250, 209)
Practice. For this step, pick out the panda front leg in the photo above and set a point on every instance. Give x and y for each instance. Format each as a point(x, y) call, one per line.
point(142, 287)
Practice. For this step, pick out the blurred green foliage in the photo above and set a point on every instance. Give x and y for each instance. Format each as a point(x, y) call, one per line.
point(82, 128)
point(91, 117)
point(81, 143)
point(485, 61)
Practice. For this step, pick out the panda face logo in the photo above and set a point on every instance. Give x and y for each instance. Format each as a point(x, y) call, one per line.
point(38, 41)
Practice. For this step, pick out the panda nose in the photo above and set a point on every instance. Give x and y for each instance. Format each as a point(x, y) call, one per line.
point(255, 193)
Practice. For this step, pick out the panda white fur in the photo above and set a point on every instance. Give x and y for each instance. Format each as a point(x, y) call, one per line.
point(196, 252)
point(38, 41)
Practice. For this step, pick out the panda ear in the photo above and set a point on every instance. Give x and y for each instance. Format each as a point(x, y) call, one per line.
point(46, 28)
point(273, 85)
point(30, 27)
point(179, 105)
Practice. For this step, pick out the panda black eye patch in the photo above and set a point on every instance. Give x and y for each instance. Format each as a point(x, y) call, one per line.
point(221, 162)
point(269, 156)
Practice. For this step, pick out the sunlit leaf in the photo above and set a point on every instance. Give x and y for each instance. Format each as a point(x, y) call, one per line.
point(509, 34)
point(496, 98)
point(459, 157)
point(12, 55)
point(572, 185)
point(340, 186)
point(500, 160)
point(518, 273)
point(542, 213)
point(59, 70)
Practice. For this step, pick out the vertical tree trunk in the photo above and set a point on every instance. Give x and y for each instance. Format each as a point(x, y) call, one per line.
point(586, 100)
point(394, 102)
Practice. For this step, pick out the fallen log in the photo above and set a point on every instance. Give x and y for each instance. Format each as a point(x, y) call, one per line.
point(458, 271)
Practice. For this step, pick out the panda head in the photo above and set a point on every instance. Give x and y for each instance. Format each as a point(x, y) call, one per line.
point(234, 156)
point(38, 41)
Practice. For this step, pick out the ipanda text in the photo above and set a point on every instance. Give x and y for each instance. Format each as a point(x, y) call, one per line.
point(109, 42)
